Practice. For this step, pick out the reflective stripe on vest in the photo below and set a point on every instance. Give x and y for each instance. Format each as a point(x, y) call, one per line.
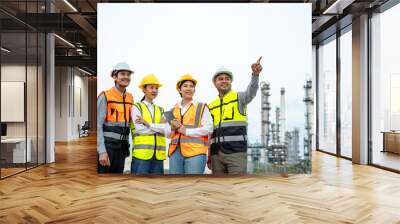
point(234, 124)
point(235, 138)
point(157, 134)
point(146, 145)
point(229, 124)
point(189, 140)
point(158, 147)
point(112, 135)
point(189, 146)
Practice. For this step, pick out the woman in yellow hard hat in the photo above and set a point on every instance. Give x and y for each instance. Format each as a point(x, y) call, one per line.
point(148, 135)
point(191, 127)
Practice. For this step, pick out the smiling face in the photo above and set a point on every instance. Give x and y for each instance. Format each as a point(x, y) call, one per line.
point(150, 91)
point(187, 90)
point(122, 78)
point(223, 83)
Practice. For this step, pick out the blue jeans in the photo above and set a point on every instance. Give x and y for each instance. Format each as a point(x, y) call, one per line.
point(179, 164)
point(151, 166)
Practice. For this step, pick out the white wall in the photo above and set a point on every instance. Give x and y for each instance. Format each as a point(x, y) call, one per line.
point(12, 73)
point(61, 103)
point(80, 100)
point(33, 127)
point(70, 84)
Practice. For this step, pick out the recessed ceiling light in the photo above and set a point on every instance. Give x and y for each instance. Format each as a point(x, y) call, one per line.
point(338, 6)
point(5, 50)
point(64, 40)
point(70, 5)
point(84, 71)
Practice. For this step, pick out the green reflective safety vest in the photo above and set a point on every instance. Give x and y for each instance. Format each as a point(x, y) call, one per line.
point(146, 145)
point(230, 126)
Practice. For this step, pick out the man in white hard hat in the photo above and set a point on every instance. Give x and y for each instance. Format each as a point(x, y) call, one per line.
point(113, 121)
point(228, 148)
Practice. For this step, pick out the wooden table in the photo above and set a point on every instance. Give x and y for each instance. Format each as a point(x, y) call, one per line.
point(14, 150)
point(391, 141)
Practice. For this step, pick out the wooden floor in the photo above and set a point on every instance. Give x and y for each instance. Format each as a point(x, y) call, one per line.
point(5, 172)
point(387, 159)
point(70, 191)
point(10, 171)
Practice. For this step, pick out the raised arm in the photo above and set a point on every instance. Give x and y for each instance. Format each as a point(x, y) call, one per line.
point(247, 96)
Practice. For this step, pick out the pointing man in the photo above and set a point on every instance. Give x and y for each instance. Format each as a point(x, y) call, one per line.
point(229, 139)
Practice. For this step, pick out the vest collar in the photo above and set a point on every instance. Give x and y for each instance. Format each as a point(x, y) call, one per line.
point(179, 105)
point(226, 94)
point(115, 89)
point(147, 103)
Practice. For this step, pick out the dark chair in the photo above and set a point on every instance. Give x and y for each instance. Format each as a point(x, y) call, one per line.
point(84, 130)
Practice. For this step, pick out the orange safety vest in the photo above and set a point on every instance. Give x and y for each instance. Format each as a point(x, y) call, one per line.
point(190, 146)
point(118, 107)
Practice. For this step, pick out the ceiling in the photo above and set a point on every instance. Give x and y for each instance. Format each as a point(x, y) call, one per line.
point(75, 22)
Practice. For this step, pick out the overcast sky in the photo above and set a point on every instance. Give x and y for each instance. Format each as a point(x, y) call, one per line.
point(172, 39)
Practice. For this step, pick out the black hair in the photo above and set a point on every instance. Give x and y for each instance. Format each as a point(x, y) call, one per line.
point(144, 97)
point(115, 72)
point(181, 83)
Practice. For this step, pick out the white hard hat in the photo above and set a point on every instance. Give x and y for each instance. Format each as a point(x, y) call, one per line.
point(122, 66)
point(222, 70)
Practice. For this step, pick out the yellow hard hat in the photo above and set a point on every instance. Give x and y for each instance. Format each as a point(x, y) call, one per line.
point(185, 77)
point(149, 79)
